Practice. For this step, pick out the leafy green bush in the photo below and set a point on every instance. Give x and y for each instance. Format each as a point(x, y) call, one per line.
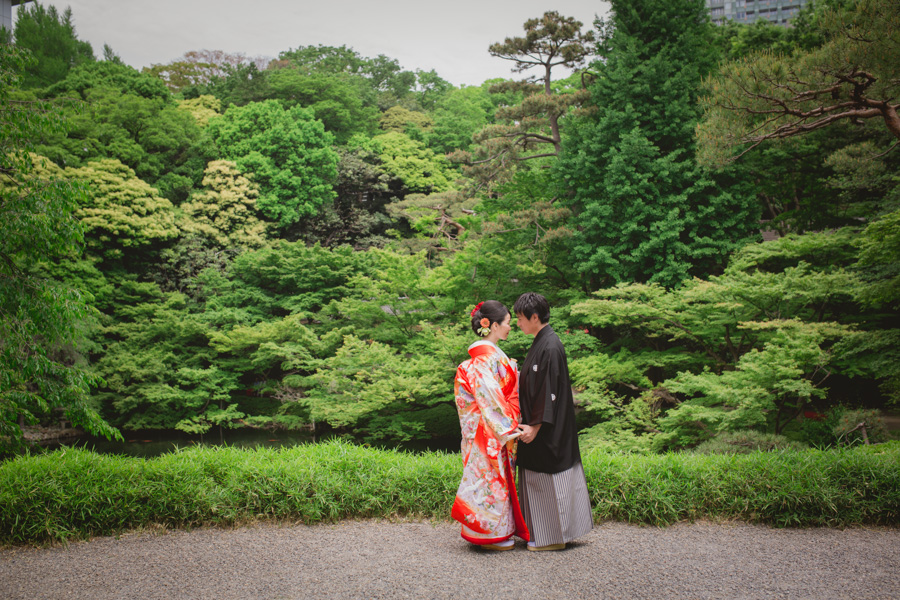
point(75, 494)
point(745, 442)
point(834, 488)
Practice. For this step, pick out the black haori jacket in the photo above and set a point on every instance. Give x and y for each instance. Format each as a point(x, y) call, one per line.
point(545, 397)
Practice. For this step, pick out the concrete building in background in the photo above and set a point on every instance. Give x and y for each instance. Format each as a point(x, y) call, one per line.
point(6, 12)
point(748, 11)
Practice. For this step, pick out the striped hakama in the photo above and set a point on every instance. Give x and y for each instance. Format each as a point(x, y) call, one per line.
point(556, 506)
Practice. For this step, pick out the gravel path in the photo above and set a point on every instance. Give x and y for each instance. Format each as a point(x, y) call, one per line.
point(373, 559)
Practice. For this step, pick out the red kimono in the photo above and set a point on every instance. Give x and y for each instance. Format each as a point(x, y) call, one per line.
point(487, 400)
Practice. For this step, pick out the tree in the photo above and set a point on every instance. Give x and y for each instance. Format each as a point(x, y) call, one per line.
point(381, 394)
point(357, 216)
point(199, 68)
point(750, 349)
point(852, 77)
point(338, 100)
point(534, 123)
point(225, 210)
point(40, 318)
point(430, 88)
point(241, 85)
point(123, 211)
point(458, 116)
point(400, 119)
point(110, 75)
point(133, 118)
point(51, 39)
point(202, 108)
point(288, 152)
point(160, 142)
point(157, 363)
point(410, 164)
point(643, 210)
point(437, 217)
point(384, 77)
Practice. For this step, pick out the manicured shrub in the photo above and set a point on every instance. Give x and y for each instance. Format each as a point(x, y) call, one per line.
point(76, 494)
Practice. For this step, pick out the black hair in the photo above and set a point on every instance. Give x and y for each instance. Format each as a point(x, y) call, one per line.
point(494, 311)
point(530, 303)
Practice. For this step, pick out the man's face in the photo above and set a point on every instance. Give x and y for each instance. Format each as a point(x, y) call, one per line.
point(528, 326)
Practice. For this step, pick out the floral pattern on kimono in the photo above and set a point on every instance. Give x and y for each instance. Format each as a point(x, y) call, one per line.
point(487, 400)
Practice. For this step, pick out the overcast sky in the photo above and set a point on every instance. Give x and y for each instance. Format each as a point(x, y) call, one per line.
point(452, 38)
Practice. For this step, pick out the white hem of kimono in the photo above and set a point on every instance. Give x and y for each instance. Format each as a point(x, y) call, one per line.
point(556, 506)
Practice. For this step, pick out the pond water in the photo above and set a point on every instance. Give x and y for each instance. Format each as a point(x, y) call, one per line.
point(150, 443)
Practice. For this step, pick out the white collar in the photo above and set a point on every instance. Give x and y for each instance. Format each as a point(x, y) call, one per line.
point(484, 343)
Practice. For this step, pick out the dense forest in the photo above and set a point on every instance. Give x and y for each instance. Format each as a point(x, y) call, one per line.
point(228, 241)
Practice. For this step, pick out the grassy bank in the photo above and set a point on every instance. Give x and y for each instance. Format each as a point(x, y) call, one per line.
point(73, 494)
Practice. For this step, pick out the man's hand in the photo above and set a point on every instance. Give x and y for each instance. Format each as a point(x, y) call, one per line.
point(529, 432)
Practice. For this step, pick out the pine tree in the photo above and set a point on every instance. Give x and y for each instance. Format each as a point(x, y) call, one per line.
point(643, 209)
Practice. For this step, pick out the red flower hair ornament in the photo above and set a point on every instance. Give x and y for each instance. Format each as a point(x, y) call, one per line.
point(475, 310)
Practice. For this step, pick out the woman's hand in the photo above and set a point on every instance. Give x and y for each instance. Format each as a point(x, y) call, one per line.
point(529, 432)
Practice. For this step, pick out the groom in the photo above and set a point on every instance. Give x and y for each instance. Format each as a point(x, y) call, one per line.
point(552, 488)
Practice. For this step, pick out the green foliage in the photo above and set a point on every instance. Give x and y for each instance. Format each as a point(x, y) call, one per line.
point(225, 210)
point(440, 218)
point(279, 280)
point(457, 116)
point(528, 128)
point(349, 313)
point(110, 75)
point(88, 494)
point(338, 100)
point(41, 318)
point(382, 76)
point(203, 108)
point(746, 442)
point(767, 387)
point(736, 40)
point(750, 349)
point(410, 163)
point(74, 494)
point(880, 247)
point(627, 425)
point(860, 427)
point(387, 301)
point(397, 118)
point(645, 211)
point(784, 489)
point(288, 152)
point(357, 216)
point(527, 232)
point(130, 117)
point(851, 76)
point(123, 211)
point(157, 362)
point(269, 349)
point(369, 387)
point(50, 38)
point(238, 85)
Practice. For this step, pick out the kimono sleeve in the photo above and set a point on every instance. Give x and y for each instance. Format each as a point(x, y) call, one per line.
point(497, 411)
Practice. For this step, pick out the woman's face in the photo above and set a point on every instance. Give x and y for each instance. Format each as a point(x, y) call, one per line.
point(502, 328)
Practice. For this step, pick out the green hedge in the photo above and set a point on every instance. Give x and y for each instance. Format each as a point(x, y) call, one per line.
point(75, 494)
point(834, 488)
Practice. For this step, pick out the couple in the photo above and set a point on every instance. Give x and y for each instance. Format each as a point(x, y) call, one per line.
point(551, 505)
